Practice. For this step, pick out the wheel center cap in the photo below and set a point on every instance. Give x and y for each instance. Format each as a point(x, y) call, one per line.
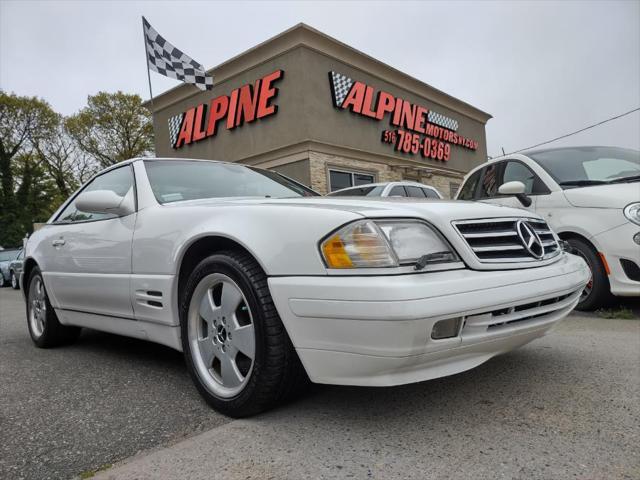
point(222, 334)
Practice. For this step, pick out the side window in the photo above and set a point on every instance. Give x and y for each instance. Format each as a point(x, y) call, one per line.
point(119, 180)
point(414, 191)
point(491, 180)
point(430, 193)
point(469, 188)
point(398, 191)
point(517, 171)
point(66, 216)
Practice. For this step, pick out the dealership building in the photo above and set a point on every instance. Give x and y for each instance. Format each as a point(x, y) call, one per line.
point(325, 114)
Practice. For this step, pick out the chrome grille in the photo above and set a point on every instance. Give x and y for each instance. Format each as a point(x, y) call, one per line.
point(496, 240)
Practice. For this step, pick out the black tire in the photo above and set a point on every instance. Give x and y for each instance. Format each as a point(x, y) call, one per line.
point(2, 280)
point(15, 283)
point(52, 333)
point(276, 372)
point(597, 294)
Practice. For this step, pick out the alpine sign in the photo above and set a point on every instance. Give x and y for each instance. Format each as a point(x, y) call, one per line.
point(419, 130)
point(245, 104)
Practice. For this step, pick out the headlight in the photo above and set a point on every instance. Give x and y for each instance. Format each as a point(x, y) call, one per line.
point(358, 245)
point(632, 212)
point(385, 243)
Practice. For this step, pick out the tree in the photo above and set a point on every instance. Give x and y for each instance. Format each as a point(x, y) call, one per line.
point(67, 165)
point(36, 195)
point(112, 127)
point(23, 121)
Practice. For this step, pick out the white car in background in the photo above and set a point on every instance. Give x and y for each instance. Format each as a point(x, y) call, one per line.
point(260, 283)
point(389, 189)
point(590, 196)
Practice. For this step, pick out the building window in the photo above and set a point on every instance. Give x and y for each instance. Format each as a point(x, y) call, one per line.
point(339, 179)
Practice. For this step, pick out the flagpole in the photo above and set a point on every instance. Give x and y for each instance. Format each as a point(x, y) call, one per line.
point(146, 49)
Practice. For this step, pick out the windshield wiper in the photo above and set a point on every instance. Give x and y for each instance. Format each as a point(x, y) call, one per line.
point(582, 183)
point(632, 178)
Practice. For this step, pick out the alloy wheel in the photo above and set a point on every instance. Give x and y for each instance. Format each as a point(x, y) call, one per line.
point(38, 307)
point(221, 335)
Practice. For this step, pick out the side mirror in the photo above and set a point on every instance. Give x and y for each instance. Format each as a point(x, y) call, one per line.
point(103, 201)
point(511, 188)
point(515, 189)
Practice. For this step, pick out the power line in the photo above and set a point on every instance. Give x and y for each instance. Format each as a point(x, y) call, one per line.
point(577, 131)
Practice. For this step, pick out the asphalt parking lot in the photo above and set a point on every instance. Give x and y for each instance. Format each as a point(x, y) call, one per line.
point(564, 406)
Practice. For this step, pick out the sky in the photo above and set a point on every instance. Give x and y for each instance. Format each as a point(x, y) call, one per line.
point(542, 69)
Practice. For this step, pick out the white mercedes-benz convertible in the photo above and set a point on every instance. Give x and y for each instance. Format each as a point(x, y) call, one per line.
point(261, 283)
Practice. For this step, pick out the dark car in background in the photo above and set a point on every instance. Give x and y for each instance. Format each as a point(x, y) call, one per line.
point(15, 269)
point(6, 257)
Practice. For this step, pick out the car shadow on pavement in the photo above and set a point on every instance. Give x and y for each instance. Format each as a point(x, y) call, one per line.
point(131, 349)
point(499, 379)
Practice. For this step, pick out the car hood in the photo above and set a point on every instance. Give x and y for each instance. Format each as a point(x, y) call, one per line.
point(375, 207)
point(617, 195)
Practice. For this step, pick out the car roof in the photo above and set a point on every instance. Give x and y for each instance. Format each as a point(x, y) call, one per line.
point(384, 184)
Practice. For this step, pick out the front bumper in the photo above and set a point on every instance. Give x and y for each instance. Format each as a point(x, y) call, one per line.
point(376, 330)
point(617, 244)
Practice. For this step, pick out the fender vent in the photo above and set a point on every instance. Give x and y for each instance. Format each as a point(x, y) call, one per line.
point(149, 298)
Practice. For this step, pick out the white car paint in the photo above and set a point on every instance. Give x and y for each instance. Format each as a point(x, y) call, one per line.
point(593, 212)
point(387, 187)
point(368, 326)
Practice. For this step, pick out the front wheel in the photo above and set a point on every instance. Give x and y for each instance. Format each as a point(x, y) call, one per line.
point(45, 329)
point(14, 281)
point(236, 348)
point(597, 293)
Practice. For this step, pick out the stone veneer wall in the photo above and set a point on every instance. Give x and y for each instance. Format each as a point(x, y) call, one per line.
point(320, 163)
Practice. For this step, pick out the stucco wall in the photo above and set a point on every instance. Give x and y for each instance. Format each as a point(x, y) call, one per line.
point(299, 171)
point(306, 113)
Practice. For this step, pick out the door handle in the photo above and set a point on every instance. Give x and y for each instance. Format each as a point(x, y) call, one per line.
point(58, 243)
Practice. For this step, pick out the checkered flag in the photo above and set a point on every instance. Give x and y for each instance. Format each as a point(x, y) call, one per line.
point(175, 123)
point(439, 119)
point(167, 60)
point(340, 86)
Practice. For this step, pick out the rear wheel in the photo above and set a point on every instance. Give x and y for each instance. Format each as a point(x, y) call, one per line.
point(236, 348)
point(597, 292)
point(45, 329)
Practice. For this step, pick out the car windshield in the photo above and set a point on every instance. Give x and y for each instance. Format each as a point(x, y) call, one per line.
point(364, 191)
point(583, 166)
point(173, 181)
point(6, 255)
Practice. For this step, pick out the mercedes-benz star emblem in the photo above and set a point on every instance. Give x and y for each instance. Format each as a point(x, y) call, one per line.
point(530, 239)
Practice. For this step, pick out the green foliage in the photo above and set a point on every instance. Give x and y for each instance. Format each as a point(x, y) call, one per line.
point(621, 313)
point(23, 121)
point(92, 473)
point(112, 127)
point(45, 157)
